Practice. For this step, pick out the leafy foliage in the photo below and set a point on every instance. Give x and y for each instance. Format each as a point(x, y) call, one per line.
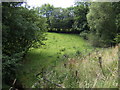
point(70, 20)
point(62, 20)
point(58, 19)
point(46, 10)
point(101, 20)
point(116, 7)
point(9, 66)
point(80, 20)
point(22, 29)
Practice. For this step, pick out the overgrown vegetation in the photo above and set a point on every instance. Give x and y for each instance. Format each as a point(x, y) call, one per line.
point(98, 69)
point(63, 55)
point(101, 20)
point(22, 29)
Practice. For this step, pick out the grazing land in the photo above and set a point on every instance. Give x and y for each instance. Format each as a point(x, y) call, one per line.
point(71, 62)
point(57, 46)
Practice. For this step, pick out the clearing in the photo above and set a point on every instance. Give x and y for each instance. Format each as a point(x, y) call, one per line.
point(57, 46)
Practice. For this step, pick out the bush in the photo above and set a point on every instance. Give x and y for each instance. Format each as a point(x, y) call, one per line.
point(9, 66)
point(26, 31)
point(84, 35)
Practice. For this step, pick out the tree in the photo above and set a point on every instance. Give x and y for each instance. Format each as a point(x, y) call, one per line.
point(46, 10)
point(116, 7)
point(21, 29)
point(61, 19)
point(101, 20)
point(80, 20)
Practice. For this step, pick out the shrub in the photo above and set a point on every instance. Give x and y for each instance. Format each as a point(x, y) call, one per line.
point(26, 31)
point(84, 35)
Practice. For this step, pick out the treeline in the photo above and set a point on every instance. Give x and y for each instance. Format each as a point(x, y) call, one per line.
point(103, 21)
point(96, 22)
point(21, 29)
point(65, 20)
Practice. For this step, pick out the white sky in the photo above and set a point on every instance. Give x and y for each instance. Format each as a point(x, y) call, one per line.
point(55, 3)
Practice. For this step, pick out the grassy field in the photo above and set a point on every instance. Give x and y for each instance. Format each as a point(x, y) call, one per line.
point(98, 69)
point(57, 47)
point(68, 61)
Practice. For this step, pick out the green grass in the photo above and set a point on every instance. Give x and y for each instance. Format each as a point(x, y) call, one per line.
point(89, 73)
point(56, 46)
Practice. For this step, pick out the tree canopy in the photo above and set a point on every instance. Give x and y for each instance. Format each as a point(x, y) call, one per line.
point(101, 20)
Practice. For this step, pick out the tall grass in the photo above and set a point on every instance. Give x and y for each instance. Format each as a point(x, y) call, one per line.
point(67, 61)
point(85, 71)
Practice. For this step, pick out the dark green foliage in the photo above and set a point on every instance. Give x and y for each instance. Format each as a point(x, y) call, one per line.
point(101, 20)
point(9, 65)
point(69, 20)
point(58, 19)
point(116, 7)
point(65, 20)
point(118, 22)
point(22, 29)
point(46, 10)
point(62, 20)
point(25, 30)
point(80, 20)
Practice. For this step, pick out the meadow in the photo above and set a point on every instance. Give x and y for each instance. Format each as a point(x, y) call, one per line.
point(58, 47)
point(68, 61)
